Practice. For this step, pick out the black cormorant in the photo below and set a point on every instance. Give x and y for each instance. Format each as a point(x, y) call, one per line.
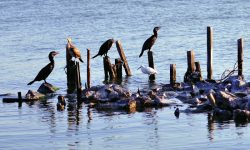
point(105, 47)
point(150, 41)
point(45, 71)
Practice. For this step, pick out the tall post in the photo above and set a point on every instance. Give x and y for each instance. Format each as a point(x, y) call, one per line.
point(118, 65)
point(240, 57)
point(172, 74)
point(105, 66)
point(78, 82)
point(70, 67)
point(20, 100)
point(88, 68)
point(190, 61)
point(151, 64)
point(209, 53)
point(123, 58)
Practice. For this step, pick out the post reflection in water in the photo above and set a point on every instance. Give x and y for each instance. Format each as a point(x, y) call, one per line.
point(151, 120)
point(210, 126)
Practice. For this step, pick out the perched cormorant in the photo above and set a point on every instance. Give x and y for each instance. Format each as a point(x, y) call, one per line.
point(105, 47)
point(45, 71)
point(73, 51)
point(150, 41)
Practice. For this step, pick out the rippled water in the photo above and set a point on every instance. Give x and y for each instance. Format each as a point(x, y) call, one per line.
point(30, 29)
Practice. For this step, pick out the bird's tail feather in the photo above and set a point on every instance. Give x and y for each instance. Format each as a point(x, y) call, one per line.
point(141, 53)
point(95, 56)
point(81, 60)
point(31, 82)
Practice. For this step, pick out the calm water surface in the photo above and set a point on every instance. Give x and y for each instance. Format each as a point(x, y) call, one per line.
point(30, 29)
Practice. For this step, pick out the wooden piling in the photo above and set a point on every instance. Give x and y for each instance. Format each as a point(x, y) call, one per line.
point(105, 66)
point(123, 58)
point(190, 61)
point(70, 67)
point(118, 65)
point(108, 69)
point(172, 74)
point(198, 69)
point(240, 57)
point(209, 53)
point(19, 99)
point(88, 68)
point(78, 82)
point(151, 64)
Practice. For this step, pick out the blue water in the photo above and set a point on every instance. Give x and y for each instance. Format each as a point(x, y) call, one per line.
point(30, 29)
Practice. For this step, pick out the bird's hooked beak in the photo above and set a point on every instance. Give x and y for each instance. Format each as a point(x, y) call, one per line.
point(139, 67)
point(55, 53)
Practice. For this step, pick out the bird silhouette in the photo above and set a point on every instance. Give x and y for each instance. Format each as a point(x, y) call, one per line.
point(147, 70)
point(45, 71)
point(150, 41)
point(105, 47)
point(73, 51)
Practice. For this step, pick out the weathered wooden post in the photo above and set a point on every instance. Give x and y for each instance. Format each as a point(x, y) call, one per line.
point(190, 68)
point(240, 57)
point(105, 66)
point(172, 74)
point(151, 64)
point(198, 69)
point(19, 99)
point(78, 82)
point(108, 69)
point(190, 61)
point(123, 58)
point(209, 53)
point(88, 68)
point(118, 65)
point(70, 66)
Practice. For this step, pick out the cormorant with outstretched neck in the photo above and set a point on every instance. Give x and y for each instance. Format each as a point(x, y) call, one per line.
point(73, 51)
point(105, 48)
point(45, 71)
point(150, 41)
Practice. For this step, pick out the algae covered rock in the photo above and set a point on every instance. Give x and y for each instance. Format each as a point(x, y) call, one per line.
point(47, 88)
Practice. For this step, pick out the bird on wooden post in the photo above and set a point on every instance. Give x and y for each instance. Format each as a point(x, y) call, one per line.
point(105, 47)
point(73, 51)
point(150, 41)
point(147, 70)
point(45, 71)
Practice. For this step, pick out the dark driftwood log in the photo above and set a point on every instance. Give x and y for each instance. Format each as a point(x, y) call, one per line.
point(123, 58)
point(151, 64)
point(240, 57)
point(209, 53)
point(20, 99)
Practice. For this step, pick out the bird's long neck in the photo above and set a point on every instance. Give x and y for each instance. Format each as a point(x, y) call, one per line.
point(155, 33)
point(51, 59)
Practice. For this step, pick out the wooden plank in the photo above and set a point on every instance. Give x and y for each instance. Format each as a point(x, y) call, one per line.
point(123, 58)
point(105, 66)
point(70, 67)
point(78, 82)
point(209, 53)
point(19, 99)
point(240, 57)
point(198, 69)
